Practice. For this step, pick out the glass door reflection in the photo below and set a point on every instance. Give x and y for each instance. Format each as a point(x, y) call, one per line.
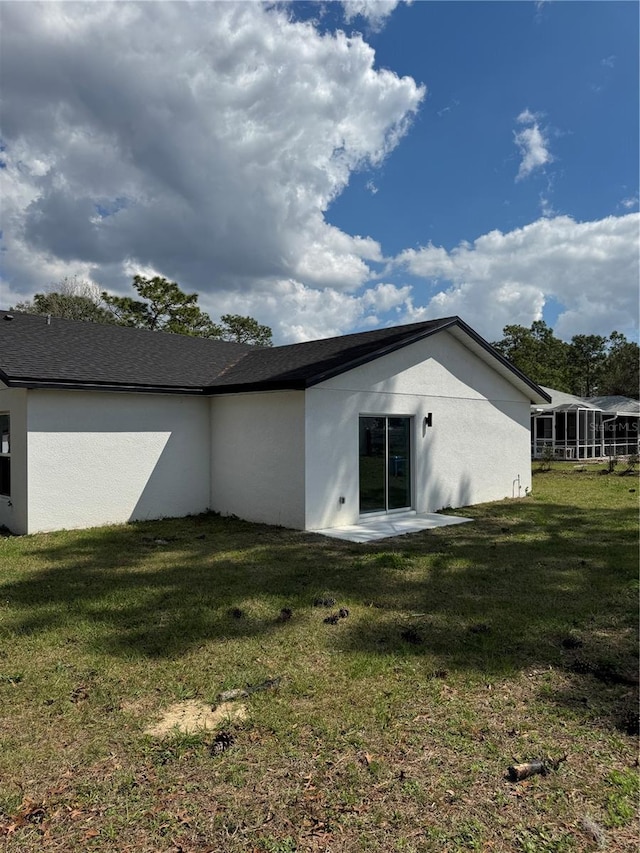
point(385, 463)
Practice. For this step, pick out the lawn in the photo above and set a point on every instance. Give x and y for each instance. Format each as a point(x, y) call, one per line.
point(459, 652)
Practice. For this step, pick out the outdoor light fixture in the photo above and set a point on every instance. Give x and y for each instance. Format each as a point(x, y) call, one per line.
point(427, 421)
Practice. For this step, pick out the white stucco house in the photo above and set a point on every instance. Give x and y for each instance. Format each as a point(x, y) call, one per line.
point(102, 424)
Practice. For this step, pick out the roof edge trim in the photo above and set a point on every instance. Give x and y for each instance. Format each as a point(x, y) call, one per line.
point(378, 353)
point(61, 385)
point(252, 387)
point(422, 335)
point(500, 358)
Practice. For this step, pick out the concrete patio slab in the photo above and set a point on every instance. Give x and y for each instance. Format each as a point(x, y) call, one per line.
point(383, 528)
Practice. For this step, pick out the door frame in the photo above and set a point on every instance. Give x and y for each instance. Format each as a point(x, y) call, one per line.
point(410, 462)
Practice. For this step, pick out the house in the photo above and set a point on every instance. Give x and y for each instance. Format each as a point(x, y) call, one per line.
point(103, 424)
point(584, 427)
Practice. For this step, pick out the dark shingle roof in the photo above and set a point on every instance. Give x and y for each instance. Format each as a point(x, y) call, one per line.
point(304, 364)
point(73, 354)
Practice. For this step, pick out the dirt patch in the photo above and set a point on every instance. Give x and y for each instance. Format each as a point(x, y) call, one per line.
point(138, 707)
point(193, 716)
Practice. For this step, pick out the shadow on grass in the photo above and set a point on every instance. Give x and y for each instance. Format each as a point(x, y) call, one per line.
point(527, 584)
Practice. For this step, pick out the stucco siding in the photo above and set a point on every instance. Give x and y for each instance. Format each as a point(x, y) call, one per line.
point(257, 457)
point(476, 448)
point(13, 509)
point(438, 366)
point(102, 458)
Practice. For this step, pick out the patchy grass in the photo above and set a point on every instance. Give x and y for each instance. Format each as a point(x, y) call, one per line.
point(464, 649)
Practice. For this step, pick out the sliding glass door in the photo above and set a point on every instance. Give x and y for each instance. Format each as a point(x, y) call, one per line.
point(385, 464)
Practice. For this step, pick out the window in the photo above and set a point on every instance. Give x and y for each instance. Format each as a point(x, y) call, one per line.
point(5, 455)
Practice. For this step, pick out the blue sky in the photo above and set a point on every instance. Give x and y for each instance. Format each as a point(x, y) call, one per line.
point(452, 178)
point(330, 167)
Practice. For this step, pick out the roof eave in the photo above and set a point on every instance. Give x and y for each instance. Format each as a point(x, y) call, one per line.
point(539, 395)
point(66, 385)
point(300, 383)
point(252, 387)
point(377, 353)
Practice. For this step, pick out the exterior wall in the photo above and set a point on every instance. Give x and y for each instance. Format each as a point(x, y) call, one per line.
point(475, 450)
point(101, 458)
point(13, 510)
point(257, 457)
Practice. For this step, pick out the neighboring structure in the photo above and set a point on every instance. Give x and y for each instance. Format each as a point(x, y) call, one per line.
point(585, 428)
point(103, 424)
point(620, 424)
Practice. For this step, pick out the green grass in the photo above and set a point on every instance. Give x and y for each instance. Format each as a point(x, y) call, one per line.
point(467, 647)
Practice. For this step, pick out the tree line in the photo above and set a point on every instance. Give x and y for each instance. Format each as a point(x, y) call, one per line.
point(587, 366)
point(163, 307)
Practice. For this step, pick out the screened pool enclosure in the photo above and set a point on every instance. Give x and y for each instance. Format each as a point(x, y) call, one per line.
point(577, 428)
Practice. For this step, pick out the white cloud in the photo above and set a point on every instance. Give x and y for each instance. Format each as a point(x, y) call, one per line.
point(453, 104)
point(532, 143)
point(546, 206)
point(375, 12)
point(590, 268)
point(209, 151)
point(385, 297)
point(299, 313)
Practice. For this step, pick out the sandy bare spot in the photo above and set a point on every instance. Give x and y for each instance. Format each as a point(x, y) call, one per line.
point(138, 707)
point(192, 716)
